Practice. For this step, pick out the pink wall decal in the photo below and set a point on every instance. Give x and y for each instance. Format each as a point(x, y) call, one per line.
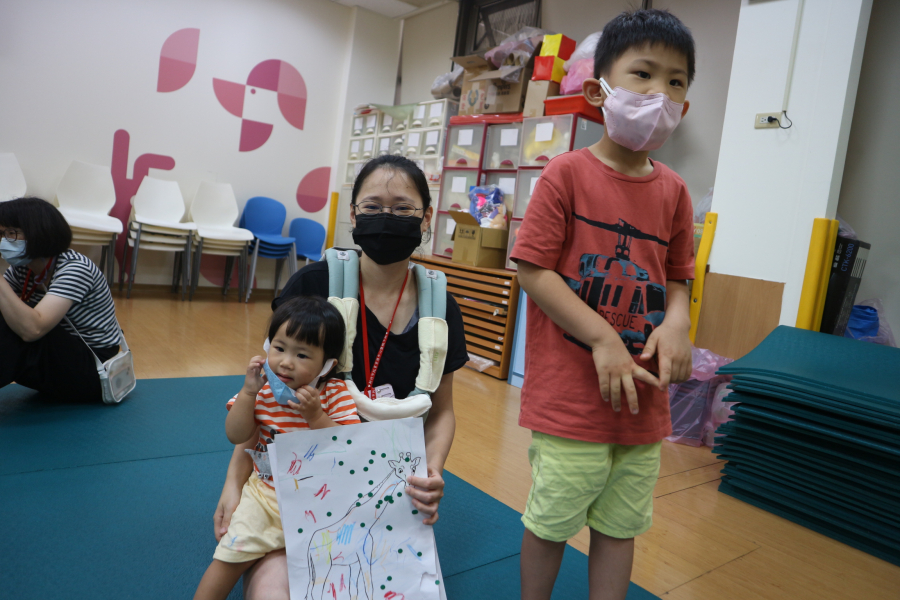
point(312, 193)
point(178, 60)
point(126, 188)
point(212, 268)
point(274, 75)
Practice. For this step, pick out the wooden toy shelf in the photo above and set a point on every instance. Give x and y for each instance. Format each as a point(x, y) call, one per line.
point(488, 299)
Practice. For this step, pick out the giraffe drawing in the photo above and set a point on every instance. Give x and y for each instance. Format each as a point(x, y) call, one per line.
point(348, 542)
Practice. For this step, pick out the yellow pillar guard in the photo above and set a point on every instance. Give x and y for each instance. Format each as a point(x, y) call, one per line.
point(700, 262)
point(332, 220)
point(815, 279)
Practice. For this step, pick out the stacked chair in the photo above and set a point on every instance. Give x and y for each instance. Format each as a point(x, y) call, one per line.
point(265, 218)
point(156, 224)
point(12, 180)
point(85, 196)
point(214, 210)
point(309, 237)
point(815, 437)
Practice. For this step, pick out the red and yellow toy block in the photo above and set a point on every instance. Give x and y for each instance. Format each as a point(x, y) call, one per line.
point(548, 68)
point(558, 45)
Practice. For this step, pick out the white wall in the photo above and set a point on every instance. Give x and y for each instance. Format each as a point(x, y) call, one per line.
point(869, 198)
point(75, 72)
point(428, 41)
point(771, 184)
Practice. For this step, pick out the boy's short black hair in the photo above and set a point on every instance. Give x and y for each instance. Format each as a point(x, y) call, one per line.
point(311, 320)
point(639, 27)
point(46, 230)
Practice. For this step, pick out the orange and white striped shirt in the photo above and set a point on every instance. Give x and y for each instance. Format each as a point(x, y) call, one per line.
point(273, 418)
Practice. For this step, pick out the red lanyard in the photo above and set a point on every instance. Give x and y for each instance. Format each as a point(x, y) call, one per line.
point(370, 375)
point(28, 293)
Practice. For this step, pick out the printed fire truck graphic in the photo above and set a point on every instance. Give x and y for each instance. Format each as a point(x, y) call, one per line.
point(618, 289)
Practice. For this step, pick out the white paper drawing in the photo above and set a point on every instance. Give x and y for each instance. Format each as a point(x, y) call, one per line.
point(351, 531)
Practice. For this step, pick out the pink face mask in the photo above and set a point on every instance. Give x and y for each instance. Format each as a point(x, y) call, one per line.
point(639, 121)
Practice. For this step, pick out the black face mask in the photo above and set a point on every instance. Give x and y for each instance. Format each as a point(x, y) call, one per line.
point(387, 238)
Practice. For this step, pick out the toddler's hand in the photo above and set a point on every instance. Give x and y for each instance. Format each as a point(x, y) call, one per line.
point(672, 346)
point(617, 371)
point(255, 379)
point(308, 403)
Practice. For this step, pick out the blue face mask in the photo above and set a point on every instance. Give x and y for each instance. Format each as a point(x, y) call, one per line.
point(280, 389)
point(14, 252)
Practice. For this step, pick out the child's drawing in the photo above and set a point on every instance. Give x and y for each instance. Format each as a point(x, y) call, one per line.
point(351, 531)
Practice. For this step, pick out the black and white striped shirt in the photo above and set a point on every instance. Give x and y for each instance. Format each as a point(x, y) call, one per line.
point(78, 279)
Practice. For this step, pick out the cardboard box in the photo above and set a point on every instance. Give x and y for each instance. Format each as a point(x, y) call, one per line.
point(483, 90)
point(538, 91)
point(847, 268)
point(558, 45)
point(549, 68)
point(478, 246)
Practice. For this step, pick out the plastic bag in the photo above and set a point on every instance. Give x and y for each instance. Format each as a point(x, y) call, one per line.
point(884, 335)
point(719, 412)
point(511, 56)
point(703, 207)
point(479, 363)
point(448, 85)
point(579, 71)
point(691, 402)
point(845, 230)
point(486, 205)
point(584, 50)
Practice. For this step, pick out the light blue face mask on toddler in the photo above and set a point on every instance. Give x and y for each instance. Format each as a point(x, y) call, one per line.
point(13, 252)
point(281, 391)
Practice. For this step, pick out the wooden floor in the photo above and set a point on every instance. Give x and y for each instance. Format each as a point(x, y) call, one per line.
point(703, 545)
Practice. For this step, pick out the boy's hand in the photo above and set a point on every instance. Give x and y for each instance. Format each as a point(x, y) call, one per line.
point(617, 371)
point(255, 379)
point(308, 403)
point(672, 346)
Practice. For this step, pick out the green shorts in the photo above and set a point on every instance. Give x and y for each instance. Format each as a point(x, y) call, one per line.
point(607, 487)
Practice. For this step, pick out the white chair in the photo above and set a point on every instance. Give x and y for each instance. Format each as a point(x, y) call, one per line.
point(214, 210)
point(156, 219)
point(85, 195)
point(12, 180)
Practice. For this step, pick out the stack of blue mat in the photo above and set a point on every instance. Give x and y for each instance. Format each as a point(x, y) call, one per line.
point(815, 437)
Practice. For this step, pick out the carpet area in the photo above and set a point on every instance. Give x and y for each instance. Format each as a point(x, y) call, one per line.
point(117, 501)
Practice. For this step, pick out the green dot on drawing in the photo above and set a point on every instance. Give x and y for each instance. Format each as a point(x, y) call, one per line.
point(299, 531)
point(400, 551)
point(389, 578)
point(334, 438)
point(383, 455)
point(437, 583)
point(359, 495)
point(373, 453)
point(352, 471)
point(371, 462)
point(382, 587)
point(418, 554)
point(406, 459)
point(362, 524)
point(389, 528)
point(328, 514)
point(349, 441)
point(415, 512)
point(371, 482)
point(365, 468)
point(399, 494)
point(370, 494)
point(357, 504)
point(341, 463)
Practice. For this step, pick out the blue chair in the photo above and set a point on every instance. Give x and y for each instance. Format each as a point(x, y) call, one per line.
point(310, 238)
point(264, 217)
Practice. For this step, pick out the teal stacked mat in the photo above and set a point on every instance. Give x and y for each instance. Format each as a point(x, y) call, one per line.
point(815, 437)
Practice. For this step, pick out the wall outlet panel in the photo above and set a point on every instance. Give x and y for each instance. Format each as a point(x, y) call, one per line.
point(762, 120)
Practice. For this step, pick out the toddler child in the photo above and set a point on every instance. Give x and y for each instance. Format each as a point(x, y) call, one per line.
point(603, 253)
point(280, 395)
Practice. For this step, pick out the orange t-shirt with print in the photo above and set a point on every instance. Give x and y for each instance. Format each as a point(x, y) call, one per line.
point(272, 417)
point(615, 240)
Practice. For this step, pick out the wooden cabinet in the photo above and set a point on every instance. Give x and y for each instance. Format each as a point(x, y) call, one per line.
point(488, 299)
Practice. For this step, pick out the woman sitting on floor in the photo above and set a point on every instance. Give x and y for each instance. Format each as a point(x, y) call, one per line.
point(38, 349)
point(391, 212)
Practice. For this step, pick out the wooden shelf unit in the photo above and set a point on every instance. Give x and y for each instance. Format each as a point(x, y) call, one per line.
point(488, 299)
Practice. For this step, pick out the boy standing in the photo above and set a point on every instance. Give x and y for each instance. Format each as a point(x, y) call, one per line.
point(603, 253)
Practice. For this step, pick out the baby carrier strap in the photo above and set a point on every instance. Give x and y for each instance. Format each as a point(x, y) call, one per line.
point(343, 293)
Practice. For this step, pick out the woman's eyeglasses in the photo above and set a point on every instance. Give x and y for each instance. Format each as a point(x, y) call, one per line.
point(10, 235)
point(370, 207)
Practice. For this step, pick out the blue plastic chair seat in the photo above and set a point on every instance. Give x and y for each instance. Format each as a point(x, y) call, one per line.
point(310, 236)
point(274, 240)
